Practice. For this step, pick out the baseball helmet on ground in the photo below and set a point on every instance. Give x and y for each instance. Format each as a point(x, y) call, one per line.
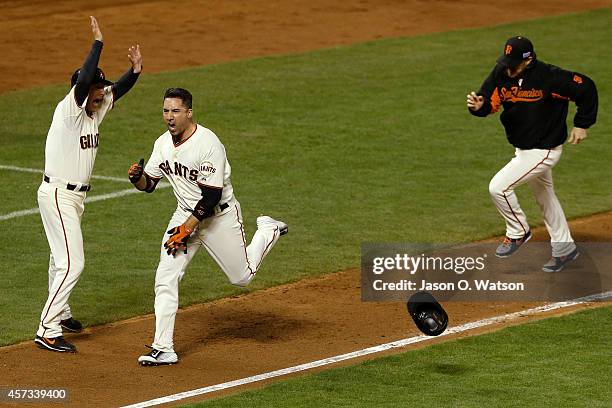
point(99, 78)
point(428, 315)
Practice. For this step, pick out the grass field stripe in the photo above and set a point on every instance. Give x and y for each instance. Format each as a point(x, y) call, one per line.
point(17, 214)
point(368, 351)
point(29, 170)
point(102, 197)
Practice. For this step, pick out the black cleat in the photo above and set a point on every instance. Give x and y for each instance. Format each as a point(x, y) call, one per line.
point(55, 344)
point(71, 325)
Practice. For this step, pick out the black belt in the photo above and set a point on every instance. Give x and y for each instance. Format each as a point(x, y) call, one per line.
point(221, 207)
point(72, 187)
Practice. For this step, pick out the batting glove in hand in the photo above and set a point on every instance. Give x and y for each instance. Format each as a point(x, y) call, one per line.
point(178, 239)
point(135, 171)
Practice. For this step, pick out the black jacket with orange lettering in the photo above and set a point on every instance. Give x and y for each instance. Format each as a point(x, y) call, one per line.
point(535, 105)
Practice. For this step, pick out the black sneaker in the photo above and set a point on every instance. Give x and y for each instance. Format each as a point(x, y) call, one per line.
point(55, 344)
point(71, 325)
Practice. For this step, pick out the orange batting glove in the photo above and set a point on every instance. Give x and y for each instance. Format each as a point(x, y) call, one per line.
point(178, 239)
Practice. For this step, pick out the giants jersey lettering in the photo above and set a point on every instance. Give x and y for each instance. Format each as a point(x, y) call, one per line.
point(72, 140)
point(198, 161)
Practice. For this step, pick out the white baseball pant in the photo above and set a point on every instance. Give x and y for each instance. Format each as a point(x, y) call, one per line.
point(61, 211)
point(534, 167)
point(223, 237)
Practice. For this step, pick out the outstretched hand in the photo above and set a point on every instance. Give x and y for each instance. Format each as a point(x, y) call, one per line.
point(95, 29)
point(135, 58)
point(474, 102)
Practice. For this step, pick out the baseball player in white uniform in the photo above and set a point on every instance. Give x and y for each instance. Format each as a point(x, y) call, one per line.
point(193, 160)
point(70, 152)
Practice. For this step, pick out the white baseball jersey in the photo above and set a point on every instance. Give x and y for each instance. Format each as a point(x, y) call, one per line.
point(72, 140)
point(70, 151)
point(198, 161)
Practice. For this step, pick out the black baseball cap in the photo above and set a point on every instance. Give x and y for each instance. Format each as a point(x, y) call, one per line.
point(99, 78)
point(516, 50)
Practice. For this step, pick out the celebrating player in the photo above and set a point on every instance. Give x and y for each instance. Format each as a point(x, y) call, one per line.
point(535, 98)
point(70, 152)
point(193, 160)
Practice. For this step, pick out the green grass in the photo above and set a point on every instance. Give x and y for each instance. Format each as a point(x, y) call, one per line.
point(370, 142)
point(557, 362)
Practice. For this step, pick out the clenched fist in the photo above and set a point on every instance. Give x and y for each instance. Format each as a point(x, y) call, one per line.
point(135, 171)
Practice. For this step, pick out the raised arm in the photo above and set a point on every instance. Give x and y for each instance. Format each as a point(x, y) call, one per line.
point(127, 80)
point(88, 70)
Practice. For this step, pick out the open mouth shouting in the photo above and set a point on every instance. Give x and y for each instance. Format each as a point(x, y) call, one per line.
point(172, 128)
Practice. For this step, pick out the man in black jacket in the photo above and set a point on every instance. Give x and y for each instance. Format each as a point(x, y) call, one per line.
point(535, 98)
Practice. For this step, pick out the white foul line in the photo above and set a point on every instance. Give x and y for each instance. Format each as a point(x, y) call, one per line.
point(367, 351)
point(29, 170)
point(102, 197)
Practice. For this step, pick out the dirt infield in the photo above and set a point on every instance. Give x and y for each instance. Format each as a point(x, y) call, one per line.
point(266, 330)
point(46, 41)
point(242, 336)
